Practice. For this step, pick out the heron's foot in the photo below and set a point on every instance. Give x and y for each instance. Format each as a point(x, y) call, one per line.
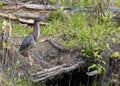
point(30, 60)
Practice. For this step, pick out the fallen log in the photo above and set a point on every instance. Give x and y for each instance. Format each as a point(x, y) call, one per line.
point(29, 15)
point(22, 19)
point(30, 21)
point(115, 10)
point(46, 7)
point(52, 72)
point(6, 15)
point(32, 11)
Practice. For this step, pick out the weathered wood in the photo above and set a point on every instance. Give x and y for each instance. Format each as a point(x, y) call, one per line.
point(6, 15)
point(29, 15)
point(92, 73)
point(21, 19)
point(115, 9)
point(9, 8)
point(66, 8)
point(46, 7)
point(52, 72)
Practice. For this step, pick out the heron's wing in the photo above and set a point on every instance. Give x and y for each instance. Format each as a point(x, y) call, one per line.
point(26, 42)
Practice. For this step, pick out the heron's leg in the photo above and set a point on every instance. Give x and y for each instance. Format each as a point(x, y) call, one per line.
point(30, 58)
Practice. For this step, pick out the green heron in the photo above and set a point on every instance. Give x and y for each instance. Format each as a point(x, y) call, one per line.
point(32, 38)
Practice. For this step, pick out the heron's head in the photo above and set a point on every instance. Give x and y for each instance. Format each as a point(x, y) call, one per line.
point(40, 19)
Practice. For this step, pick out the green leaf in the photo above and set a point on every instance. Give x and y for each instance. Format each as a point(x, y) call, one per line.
point(4, 44)
point(113, 40)
point(107, 45)
point(8, 70)
point(17, 64)
point(116, 55)
point(100, 70)
point(105, 18)
point(1, 3)
point(92, 67)
point(118, 3)
point(103, 62)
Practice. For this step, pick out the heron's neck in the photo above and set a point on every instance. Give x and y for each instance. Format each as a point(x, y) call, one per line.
point(36, 31)
point(36, 26)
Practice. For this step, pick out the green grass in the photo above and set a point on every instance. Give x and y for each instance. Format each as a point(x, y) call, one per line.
point(17, 29)
point(78, 32)
point(21, 30)
point(4, 80)
point(80, 3)
point(27, 83)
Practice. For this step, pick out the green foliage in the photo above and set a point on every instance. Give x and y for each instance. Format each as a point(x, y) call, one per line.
point(80, 3)
point(8, 70)
point(98, 67)
point(17, 65)
point(118, 3)
point(1, 4)
point(4, 44)
point(56, 14)
point(21, 30)
point(78, 33)
point(87, 3)
point(18, 29)
point(116, 55)
point(10, 81)
point(19, 82)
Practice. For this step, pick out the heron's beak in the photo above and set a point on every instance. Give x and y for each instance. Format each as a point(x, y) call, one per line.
point(41, 19)
point(44, 20)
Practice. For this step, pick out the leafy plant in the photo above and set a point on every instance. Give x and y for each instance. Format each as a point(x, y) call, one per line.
point(98, 67)
point(116, 55)
point(56, 14)
point(118, 3)
point(1, 4)
point(20, 30)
